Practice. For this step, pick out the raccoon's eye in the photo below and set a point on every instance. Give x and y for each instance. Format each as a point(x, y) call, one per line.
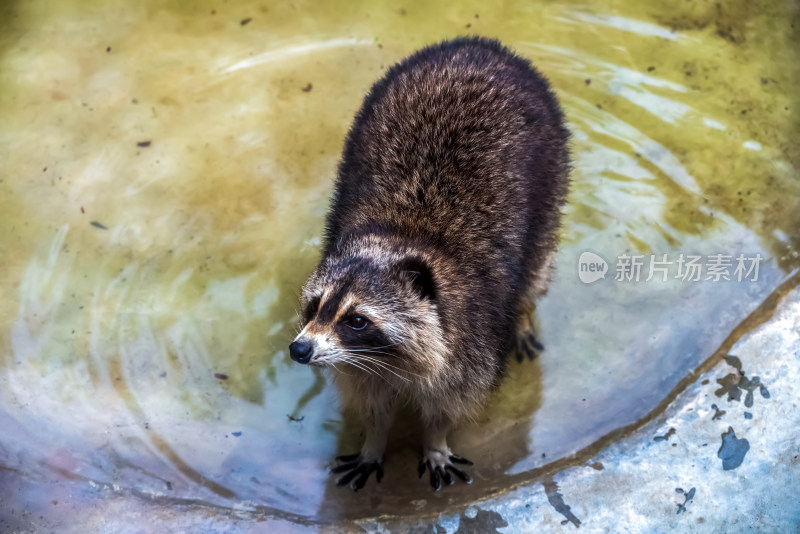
point(311, 309)
point(357, 323)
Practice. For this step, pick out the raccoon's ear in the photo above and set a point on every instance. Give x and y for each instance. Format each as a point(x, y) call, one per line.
point(418, 272)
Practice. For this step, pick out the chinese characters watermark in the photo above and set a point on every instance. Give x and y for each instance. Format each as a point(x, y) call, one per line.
point(662, 267)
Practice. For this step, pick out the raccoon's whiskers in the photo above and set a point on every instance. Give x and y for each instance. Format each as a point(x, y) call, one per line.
point(363, 365)
point(386, 365)
point(372, 348)
point(374, 352)
point(359, 365)
point(338, 370)
point(383, 365)
point(328, 361)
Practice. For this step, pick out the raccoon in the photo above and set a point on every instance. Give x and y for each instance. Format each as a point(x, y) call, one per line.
point(439, 236)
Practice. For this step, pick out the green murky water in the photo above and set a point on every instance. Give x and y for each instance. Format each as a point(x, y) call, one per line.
point(165, 170)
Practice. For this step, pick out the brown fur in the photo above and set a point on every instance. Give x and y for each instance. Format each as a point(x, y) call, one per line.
point(440, 234)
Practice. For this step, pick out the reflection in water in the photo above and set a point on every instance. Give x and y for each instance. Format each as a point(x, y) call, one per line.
point(147, 352)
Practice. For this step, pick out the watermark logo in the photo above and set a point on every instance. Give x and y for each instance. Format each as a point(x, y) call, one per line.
point(660, 268)
point(591, 267)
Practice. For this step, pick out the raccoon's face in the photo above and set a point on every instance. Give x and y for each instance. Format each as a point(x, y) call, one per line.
point(371, 316)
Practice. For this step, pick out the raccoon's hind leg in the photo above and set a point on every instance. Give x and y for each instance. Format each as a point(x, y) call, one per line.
point(437, 457)
point(527, 345)
point(376, 408)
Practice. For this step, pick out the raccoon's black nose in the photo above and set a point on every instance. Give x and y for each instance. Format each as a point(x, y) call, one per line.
point(301, 351)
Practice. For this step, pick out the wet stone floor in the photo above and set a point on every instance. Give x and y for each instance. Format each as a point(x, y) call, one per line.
point(166, 168)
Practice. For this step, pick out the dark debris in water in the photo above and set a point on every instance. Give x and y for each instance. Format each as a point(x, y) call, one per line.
point(688, 496)
point(99, 225)
point(220, 376)
point(236, 434)
point(484, 521)
point(295, 419)
point(732, 450)
point(666, 436)
point(734, 384)
point(556, 500)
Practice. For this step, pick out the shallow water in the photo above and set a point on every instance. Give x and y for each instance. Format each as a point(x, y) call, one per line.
point(166, 168)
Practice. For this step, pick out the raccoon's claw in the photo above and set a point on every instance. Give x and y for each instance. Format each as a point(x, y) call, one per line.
point(440, 468)
point(357, 471)
point(528, 346)
point(459, 460)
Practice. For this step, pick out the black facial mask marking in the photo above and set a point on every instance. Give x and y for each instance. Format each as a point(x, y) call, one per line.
point(371, 337)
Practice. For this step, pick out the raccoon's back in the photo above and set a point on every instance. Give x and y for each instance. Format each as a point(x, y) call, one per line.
point(463, 145)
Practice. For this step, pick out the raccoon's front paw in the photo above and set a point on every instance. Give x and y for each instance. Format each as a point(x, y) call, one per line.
point(528, 346)
point(358, 470)
point(440, 465)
